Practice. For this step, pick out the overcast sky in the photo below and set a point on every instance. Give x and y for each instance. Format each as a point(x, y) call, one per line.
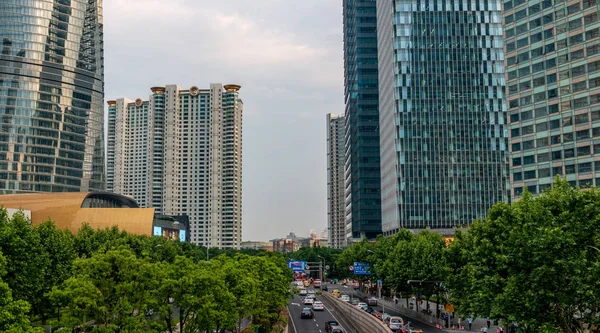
point(286, 55)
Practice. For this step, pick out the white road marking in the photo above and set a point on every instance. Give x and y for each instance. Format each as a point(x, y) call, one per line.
point(292, 319)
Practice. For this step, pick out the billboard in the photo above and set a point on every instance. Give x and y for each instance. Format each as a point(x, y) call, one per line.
point(362, 268)
point(297, 265)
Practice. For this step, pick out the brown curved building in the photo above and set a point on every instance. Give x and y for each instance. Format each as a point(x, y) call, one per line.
point(70, 210)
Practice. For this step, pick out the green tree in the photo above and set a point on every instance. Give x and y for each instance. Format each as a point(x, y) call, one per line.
point(28, 261)
point(13, 313)
point(533, 262)
point(113, 288)
point(393, 262)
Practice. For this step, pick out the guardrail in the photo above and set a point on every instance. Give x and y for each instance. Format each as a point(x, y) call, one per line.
point(359, 320)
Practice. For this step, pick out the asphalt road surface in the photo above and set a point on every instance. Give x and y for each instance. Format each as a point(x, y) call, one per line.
point(348, 290)
point(315, 325)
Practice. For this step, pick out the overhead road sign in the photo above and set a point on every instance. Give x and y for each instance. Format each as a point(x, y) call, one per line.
point(297, 265)
point(362, 268)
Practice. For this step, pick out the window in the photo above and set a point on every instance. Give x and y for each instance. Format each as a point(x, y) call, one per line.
point(545, 172)
point(584, 167)
point(568, 153)
point(515, 132)
point(516, 146)
point(542, 142)
point(516, 161)
point(517, 176)
point(543, 157)
point(528, 144)
point(573, 9)
point(554, 124)
point(567, 137)
point(569, 169)
point(529, 174)
point(583, 134)
point(581, 118)
point(541, 127)
point(583, 151)
point(557, 171)
point(556, 155)
point(527, 160)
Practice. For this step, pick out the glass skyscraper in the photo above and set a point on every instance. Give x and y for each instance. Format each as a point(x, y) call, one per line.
point(442, 112)
point(51, 96)
point(553, 67)
point(363, 197)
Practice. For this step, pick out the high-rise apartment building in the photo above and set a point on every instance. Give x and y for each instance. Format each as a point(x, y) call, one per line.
point(181, 153)
point(442, 112)
point(553, 68)
point(363, 197)
point(336, 198)
point(51, 96)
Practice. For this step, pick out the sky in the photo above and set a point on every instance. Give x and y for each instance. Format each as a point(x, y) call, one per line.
point(288, 58)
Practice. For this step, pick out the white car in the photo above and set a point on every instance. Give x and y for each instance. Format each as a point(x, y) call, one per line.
point(345, 298)
point(312, 291)
point(308, 301)
point(362, 305)
point(303, 292)
point(318, 306)
point(395, 323)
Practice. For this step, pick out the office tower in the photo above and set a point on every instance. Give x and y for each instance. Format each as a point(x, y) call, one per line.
point(443, 110)
point(336, 197)
point(553, 67)
point(181, 153)
point(363, 197)
point(51, 96)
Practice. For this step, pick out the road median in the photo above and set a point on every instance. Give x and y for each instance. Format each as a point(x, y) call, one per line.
point(354, 319)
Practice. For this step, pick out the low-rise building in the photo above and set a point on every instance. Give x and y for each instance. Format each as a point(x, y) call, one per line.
point(257, 245)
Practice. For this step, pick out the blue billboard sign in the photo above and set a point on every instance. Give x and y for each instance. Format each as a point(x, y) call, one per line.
point(297, 266)
point(362, 268)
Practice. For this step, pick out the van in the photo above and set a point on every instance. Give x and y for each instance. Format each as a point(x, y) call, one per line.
point(336, 293)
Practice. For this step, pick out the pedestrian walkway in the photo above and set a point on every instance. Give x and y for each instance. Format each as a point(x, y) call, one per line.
point(477, 325)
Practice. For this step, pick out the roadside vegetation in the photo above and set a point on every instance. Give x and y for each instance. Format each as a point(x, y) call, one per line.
point(111, 281)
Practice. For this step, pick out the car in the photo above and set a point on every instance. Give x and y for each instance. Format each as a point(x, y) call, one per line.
point(330, 324)
point(395, 323)
point(372, 301)
point(336, 293)
point(306, 283)
point(318, 306)
point(307, 313)
point(312, 291)
point(345, 298)
point(362, 306)
point(308, 301)
point(313, 296)
point(337, 329)
point(324, 287)
point(370, 310)
point(303, 292)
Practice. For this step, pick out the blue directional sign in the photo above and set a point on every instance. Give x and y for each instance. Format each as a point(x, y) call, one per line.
point(297, 266)
point(362, 268)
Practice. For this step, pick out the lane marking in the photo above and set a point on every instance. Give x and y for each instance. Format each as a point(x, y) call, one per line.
point(292, 319)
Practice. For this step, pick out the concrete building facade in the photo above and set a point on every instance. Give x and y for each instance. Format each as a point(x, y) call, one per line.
point(181, 153)
point(553, 71)
point(336, 198)
point(51, 96)
point(442, 112)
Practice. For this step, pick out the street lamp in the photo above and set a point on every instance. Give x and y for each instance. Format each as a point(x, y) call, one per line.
point(321, 268)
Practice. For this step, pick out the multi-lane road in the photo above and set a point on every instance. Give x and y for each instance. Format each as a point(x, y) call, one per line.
point(315, 325)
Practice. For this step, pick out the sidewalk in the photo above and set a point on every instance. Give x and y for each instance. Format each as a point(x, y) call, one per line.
point(477, 325)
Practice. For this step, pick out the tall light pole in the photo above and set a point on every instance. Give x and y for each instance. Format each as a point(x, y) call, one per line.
point(321, 267)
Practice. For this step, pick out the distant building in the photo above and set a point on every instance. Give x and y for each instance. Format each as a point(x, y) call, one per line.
point(180, 152)
point(292, 243)
point(336, 192)
point(267, 246)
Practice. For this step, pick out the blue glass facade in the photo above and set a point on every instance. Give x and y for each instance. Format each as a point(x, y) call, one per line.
point(443, 112)
point(51, 96)
point(363, 197)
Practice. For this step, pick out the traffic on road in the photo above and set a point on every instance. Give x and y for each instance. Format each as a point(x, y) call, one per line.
point(308, 314)
point(347, 292)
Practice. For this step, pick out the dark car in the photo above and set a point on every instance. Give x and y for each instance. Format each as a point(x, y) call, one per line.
point(370, 310)
point(306, 313)
point(330, 324)
point(324, 287)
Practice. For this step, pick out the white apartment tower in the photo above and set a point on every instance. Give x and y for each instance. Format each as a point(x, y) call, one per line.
point(181, 153)
point(336, 216)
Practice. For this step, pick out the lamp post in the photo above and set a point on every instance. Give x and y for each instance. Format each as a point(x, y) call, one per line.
point(321, 262)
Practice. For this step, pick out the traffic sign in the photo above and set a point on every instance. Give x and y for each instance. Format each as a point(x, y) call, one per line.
point(351, 268)
point(307, 267)
point(327, 267)
point(379, 284)
point(362, 268)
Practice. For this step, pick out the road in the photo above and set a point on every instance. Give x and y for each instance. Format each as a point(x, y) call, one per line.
point(315, 325)
point(348, 290)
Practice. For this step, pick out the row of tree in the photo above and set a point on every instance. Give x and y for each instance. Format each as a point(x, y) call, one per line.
point(535, 262)
point(112, 281)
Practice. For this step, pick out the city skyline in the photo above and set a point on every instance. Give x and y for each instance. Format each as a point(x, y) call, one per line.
point(291, 73)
